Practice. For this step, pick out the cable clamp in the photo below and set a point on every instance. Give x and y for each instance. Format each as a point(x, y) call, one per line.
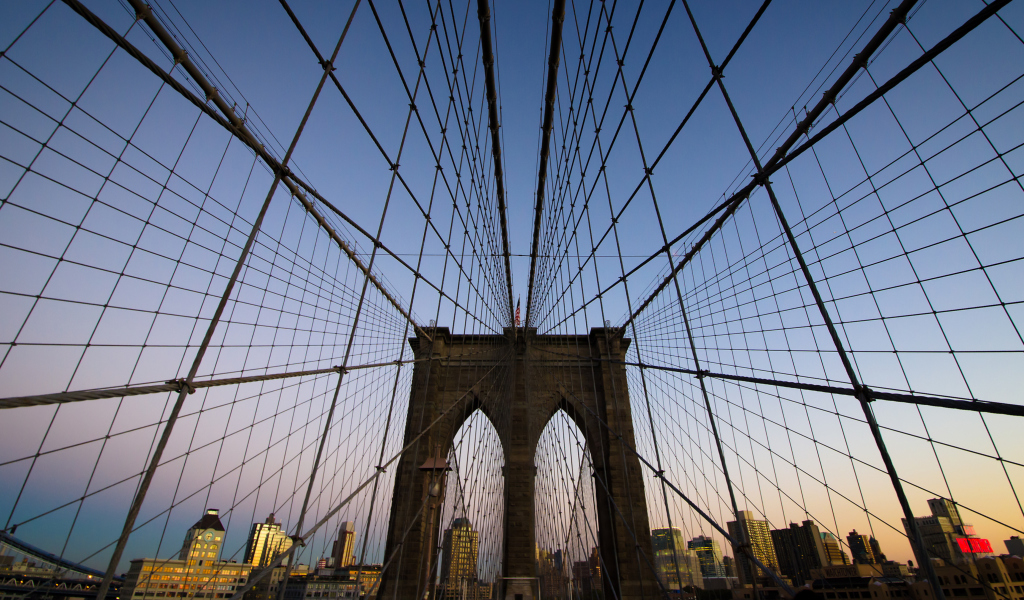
point(380, 469)
point(183, 385)
point(864, 393)
point(298, 540)
point(716, 71)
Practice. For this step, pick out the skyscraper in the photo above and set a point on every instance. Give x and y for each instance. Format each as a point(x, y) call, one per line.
point(709, 555)
point(344, 550)
point(944, 532)
point(833, 553)
point(799, 549)
point(729, 564)
point(748, 529)
point(458, 561)
point(942, 507)
point(877, 550)
point(676, 566)
point(266, 542)
point(861, 550)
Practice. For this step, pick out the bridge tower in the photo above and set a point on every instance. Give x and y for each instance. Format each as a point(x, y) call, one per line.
point(519, 380)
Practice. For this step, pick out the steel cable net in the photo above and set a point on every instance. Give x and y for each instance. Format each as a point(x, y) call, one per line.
point(207, 303)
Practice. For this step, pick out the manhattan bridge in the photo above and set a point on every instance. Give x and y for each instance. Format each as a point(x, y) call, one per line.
point(563, 273)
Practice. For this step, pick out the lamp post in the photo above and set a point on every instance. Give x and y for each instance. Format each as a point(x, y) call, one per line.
point(437, 468)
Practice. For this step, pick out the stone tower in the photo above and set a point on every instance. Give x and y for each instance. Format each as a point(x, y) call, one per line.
point(519, 380)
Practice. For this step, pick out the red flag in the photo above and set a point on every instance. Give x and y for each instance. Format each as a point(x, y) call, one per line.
point(517, 313)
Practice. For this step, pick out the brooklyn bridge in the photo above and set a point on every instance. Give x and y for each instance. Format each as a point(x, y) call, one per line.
point(442, 300)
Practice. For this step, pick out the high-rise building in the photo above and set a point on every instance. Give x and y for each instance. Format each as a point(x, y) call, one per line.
point(833, 553)
point(596, 569)
point(344, 550)
point(754, 531)
point(729, 564)
point(877, 550)
point(942, 507)
point(197, 573)
point(861, 550)
point(458, 561)
point(1015, 546)
point(945, 535)
point(266, 542)
point(552, 575)
point(709, 555)
point(676, 566)
point(582, 579)
point(799, 549)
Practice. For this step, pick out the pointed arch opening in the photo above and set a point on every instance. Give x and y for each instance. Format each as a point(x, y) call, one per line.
point(568, 545)
point(471, 530)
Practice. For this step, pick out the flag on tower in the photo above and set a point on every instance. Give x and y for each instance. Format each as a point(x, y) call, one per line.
point(517, 311)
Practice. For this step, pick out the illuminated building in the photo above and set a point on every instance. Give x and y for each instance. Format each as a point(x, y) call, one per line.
point(197, 573)
point(755, 532)
point(833, 553)
point(345, 547)
point(672, 561)
point(308, 587)
point(709, 555)
point(367, 576)
point(266, 542)
point(458, 562)
point(946, 536)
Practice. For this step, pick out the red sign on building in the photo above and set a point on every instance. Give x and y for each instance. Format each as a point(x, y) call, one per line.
point(974, 545)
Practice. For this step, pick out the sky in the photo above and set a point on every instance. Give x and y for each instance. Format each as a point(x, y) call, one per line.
point(927, 281)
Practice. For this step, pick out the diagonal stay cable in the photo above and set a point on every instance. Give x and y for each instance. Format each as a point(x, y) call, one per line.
point(232, 123)
point(781, 158)
point(379, 470)
point(661, 475)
